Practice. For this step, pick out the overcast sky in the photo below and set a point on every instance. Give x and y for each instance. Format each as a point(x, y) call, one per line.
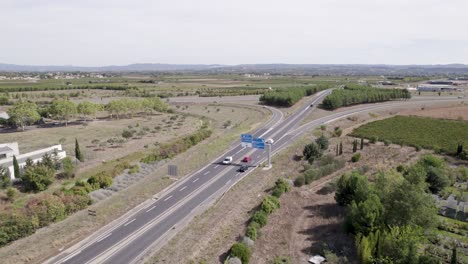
point(118, 32)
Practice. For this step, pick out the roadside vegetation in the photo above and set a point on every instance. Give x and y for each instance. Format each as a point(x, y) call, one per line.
point(353, 94)
point(287, 97)
point(443, 136)
point(394, 218)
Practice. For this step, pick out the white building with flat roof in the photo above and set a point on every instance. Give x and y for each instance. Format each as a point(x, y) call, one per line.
point(8, 150)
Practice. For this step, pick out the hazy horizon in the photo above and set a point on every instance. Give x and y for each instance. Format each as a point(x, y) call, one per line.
point(90, 33)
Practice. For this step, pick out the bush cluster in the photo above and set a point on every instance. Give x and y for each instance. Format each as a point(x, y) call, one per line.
point(169, 150)
point(326, 166)
point(39, 212)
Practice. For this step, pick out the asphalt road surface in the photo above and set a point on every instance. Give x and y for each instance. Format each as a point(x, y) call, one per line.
point(154, 224)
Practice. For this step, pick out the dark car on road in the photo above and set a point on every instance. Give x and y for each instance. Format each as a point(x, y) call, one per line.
point(246, 159)
point(243, 168)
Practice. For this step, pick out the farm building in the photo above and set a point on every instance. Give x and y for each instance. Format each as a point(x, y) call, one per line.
point(436, 88)
point(8, 150)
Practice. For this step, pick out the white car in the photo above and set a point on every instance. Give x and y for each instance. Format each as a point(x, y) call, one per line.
point(227, 160)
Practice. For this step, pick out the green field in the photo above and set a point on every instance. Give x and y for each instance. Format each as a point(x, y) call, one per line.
point(438, 134)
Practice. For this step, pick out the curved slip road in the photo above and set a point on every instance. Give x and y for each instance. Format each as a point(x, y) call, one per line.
point(155, 223)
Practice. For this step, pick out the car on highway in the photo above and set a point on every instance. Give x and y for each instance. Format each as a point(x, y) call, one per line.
point(227, 160)
point(246, 159)
point(243, 168)
point(311, 105)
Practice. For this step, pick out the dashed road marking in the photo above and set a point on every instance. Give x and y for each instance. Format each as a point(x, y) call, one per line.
point(206, 173)
point(183, 188)
point(168, 198)
point(104, 237)
point(196, 180)
point(130, 222)
point(151, 209)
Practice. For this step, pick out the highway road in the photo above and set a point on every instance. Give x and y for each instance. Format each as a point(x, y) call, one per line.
point(151, 226)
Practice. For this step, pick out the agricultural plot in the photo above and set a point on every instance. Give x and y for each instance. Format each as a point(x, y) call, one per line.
point(437, 134)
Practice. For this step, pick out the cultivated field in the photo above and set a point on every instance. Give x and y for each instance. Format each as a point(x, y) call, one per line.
point(424, 132)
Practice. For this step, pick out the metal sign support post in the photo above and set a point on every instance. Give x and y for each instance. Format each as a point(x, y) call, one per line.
point(269, 155)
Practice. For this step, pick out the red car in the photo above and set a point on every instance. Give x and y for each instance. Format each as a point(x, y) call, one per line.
point(246, 159)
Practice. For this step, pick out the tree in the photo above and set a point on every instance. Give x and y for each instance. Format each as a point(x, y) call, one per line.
point(116, 107)
point(78, 155)
point(362, 143)
point(400, 244)
point(352, 187)
point(68, 168)
point(437, 179)
point(341, 148)
point(87, 109)
point(47, 161)
point(11, 194)
point(366, 216)
point(322, 142)
point(241, 251)
point(408, 204)
point(63, 110)
point(355, 145)
point(16, 168)
point(311, 152)
point(37, 178)
point(154, 104)
point(24, 113)
point(453, 259)
point(5, 180)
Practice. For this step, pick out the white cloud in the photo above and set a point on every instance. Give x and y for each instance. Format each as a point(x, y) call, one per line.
point(215, 31)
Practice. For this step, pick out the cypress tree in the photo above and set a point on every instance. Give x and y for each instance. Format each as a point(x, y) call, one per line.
point(362, 143)
point(341, 148)
point(16, 167)
point(337, 150)
point(453, 260)
point(354, 145)
point(459, 149)
point(78, 154)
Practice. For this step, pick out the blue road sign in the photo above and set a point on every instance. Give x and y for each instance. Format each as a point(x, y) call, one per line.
point(258, 143)
point(246, 140)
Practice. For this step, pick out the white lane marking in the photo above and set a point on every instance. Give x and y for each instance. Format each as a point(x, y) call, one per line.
point(104, 237)
point(168, 198)
point(196, 180)
point(216, 166)
point(206, 173)
point(130, 222)
point(183, 188)
point(228, 182)
point(69, 257)
point(239, 151)
point(258, 156)
point(151, 209)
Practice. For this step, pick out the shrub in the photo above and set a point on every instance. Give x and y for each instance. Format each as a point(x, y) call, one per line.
point(270, 204)
point(322, 142)
point(310, 176)
point(11, 194)
point(282, 260)
point(387, 142)
point(281, 186)
point(37, 178)
point(134, 169)
point(373, 139)
point(356, 157)
point(127, 134)
point(251, 232)
point(241, 251)
point(68, 168)
point(311, 152)
point(260, 217)
point(101, 179)
point(299, 181)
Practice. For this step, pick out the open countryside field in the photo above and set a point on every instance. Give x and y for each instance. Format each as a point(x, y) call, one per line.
point(79, 225)
point(95, 137)
point(437, 134)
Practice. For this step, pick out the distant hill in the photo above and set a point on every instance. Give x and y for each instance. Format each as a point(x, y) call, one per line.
point(295, 69)
point(112, 68)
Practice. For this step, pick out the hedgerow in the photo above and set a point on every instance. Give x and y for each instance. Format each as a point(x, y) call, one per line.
point(355, 94)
